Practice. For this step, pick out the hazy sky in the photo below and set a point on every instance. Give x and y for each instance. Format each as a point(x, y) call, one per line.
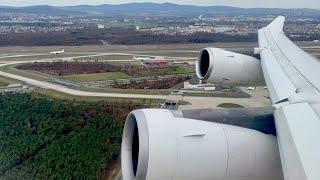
point(237, 3)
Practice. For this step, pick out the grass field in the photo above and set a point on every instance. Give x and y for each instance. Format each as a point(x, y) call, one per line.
point(96, 76)
point(123, 48)
point(39, 57)
point(59, 95)
point(10, 69)
point(2, 84)
point(106, 57)
point(119, 75)
point(182, 70)
point(6, 81)
point(128, 91)
point(186, 54)
point(217, 94)
point(229, 105)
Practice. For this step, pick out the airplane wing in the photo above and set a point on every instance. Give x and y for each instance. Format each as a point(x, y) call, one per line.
point(293, 80)
point(220, 144)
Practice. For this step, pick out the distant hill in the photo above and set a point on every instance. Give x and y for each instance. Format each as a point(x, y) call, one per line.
point(36, 10)
point(152, 9)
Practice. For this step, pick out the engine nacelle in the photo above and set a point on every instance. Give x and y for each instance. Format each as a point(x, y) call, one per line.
point(156, 144)
point(225, 67)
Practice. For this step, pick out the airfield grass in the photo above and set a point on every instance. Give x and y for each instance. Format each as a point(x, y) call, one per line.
point(229, 105)
point(59, 95)
point(128, 91)
point(2, 84)
point(125, 48)
point(216, 94)
point(120, 75)
point(105, 57)
point(181, 70)
point(177, 86)
point(28, 74)
point(40, 57)
point(96, 76)
point(6, 81)
point(171, 54)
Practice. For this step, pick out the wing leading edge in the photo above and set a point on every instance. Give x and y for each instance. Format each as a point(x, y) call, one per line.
point(292, 77)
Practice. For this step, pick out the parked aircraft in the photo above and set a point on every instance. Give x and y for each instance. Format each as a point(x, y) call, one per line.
point(141, 58)
point(268, 143)
point(57, 52)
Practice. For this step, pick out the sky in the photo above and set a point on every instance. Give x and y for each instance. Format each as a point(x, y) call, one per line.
point(237, 3)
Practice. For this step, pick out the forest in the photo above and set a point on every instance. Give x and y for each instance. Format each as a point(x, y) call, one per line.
point(44, 138)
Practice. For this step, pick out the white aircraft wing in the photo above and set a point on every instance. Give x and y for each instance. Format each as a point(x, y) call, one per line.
point(293, 80)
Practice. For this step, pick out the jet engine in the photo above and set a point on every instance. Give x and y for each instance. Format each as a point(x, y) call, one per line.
point(225, 67)
point(161, 144)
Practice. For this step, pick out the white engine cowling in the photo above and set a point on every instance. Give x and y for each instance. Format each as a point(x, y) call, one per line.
point(158, 145)
point(224, 67)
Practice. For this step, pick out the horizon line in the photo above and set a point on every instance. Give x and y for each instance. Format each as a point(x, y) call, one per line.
point(115, 4)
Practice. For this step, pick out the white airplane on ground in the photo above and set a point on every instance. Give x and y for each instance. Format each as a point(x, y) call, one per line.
point(250, 88)
point(141, 58)
point(57, 52)
point(268, 143)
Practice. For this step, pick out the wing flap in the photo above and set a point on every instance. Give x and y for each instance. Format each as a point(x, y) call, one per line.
point(298, 135)
point(290, 72)
point(307, 65)
point(279, 85)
